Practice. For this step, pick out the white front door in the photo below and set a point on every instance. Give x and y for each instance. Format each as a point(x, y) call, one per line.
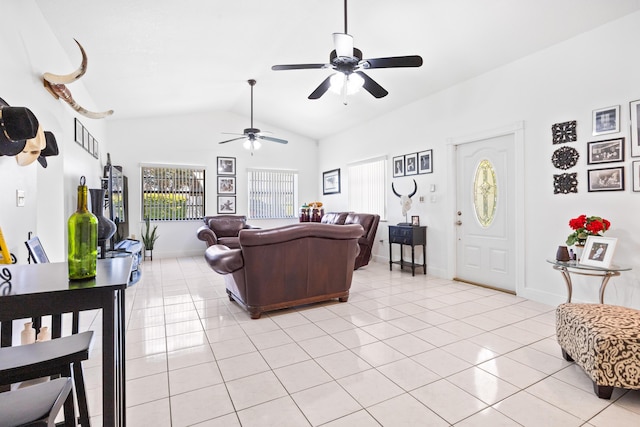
point(485, 212)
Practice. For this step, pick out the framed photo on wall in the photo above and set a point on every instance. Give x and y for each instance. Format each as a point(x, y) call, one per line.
point(608, 179)
point(226, 184)
point(609, 151)
point(425, 161)
point(411, 164)
point(606, 120)
point(398, 166)
point(331, 182)
point(226, 204)
point(598, 251)
point(226, 165)
point(634, 107)
point(636, 175)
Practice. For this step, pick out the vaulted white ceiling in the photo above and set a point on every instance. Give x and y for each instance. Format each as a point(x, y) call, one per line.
point(160, 57)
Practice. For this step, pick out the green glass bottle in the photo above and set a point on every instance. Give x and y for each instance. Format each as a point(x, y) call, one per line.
point(83, 238)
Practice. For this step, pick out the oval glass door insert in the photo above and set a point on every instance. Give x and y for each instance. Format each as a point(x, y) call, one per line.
point(485, 193)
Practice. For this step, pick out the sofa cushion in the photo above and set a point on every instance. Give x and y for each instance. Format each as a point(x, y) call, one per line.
point(227, 226)
point(365, 220)
point(334, 218)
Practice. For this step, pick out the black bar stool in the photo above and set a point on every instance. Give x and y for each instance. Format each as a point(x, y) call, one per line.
point(36, 405)
point(56, 357)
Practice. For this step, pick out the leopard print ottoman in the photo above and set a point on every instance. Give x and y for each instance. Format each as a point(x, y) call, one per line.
point(604, 340)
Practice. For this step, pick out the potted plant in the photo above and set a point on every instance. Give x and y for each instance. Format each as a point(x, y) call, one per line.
point(583, 227)
point(149, 238)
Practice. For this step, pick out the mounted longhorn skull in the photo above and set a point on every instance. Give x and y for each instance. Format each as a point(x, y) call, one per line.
point(55, 84)
point(405, 201)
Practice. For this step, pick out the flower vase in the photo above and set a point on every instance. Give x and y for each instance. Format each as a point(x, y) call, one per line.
point(578, 249)
point(106, 227)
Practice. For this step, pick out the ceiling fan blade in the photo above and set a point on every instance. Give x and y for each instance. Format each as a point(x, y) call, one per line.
point(393, 62)
point(231, 133)
point(320, 90)
point(229, 140)
point(343, 44)
point(372, 87)
point(299, 67)
point(272, 139)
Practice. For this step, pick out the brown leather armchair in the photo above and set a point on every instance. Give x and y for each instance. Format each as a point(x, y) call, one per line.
point(369, 223)
point(288, 266)
point(222, 230)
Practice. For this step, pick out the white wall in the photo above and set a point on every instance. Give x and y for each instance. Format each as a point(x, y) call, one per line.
point(565, 82)
point(30, 49)
point(193, 140)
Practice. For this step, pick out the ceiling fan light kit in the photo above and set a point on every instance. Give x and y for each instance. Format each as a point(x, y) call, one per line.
point(252, 135)
point(347, 62)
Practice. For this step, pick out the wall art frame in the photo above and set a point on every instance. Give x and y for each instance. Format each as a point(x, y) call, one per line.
point(84, 139)
point(635, 167)
point(425, 162)
point(606, 179)
point(411, 164)
point(634, 124)
point(331, 182)
point(226, 204)
point(226, 184)
point(607, 151)
point(398, 166)
point(226, 165)
point(598, 251)
point(606, 120)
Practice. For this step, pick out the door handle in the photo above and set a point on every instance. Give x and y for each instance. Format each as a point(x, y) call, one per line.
point(458, 222)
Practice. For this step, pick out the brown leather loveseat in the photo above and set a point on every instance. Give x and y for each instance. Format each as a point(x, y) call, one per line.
point(369, 223)
point(288, 266)
point(222, 230)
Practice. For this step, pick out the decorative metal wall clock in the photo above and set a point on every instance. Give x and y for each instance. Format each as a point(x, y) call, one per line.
point(565, 157)
point(564, 132)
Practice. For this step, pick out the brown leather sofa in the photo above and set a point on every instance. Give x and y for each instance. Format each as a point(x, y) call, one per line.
point(288, 266)
point(222, 230)
point(369, 223)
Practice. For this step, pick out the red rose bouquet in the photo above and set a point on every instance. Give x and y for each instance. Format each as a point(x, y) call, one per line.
point(584, 226)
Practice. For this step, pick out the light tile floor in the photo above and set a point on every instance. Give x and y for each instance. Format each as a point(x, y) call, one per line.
point(403, 351)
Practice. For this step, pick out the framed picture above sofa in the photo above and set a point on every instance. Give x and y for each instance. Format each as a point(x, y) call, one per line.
point(226, 204)
point(331, 182)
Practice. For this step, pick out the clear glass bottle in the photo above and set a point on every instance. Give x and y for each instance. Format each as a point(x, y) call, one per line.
point(83, 238)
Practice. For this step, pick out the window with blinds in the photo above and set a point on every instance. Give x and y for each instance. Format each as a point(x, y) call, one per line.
point(172, 193)
point(367, 181)
point(272, 194)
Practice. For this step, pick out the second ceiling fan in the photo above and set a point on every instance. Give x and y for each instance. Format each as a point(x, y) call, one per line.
point(347, 61)
point(252, 135)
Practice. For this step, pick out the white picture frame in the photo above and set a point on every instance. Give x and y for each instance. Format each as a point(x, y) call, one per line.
point(606, 120)
point(598, 251)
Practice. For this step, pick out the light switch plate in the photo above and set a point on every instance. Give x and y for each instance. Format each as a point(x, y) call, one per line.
point(20, 198)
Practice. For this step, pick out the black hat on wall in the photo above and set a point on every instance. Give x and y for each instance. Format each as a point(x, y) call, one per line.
point(17, 124)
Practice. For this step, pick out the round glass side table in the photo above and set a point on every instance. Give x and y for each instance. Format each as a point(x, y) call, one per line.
point(566, 268)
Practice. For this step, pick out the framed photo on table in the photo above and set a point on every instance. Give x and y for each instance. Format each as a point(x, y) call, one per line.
point(598, 251)
point(634, 123)
point(415, 220)
point(331, 182)
point(36, 251)
point(226, 185)
point(226, 204)
point(606, 120)
point(226, 165)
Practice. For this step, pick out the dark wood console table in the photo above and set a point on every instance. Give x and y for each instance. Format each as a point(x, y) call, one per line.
point(33, 290)
point(412, 236)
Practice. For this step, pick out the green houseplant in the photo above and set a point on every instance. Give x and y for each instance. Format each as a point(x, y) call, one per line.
point(149, 237)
